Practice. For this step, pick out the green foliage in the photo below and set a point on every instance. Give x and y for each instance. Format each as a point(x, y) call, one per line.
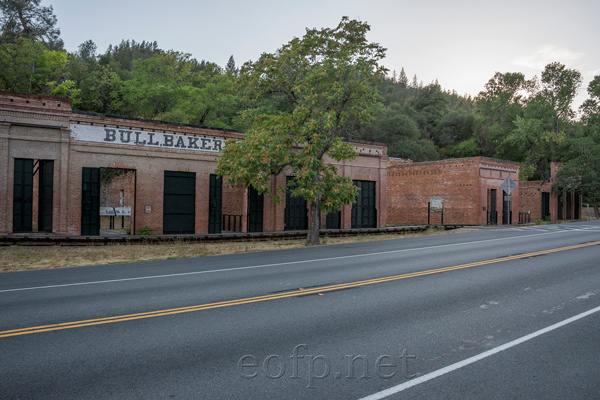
point(230, 68)
point(65, 89)
point(18, 63)
point(390, 125)
point(302, 101)
point(27, 19)
point(416, 150)
point(102, 91)
point(108, 174)
point(580, 173)
point(453, 128)
point(128, 51)
point(28, 67)
point(497, 107)
point(466, 148)
point(560, 86)
point(528, 121)
point(145, 231)
point(429, 107)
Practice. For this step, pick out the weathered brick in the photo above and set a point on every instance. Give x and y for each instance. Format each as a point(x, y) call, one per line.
point(38, 127)
point(464, 185)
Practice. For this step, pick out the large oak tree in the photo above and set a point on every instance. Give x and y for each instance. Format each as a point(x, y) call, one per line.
point(302, 100)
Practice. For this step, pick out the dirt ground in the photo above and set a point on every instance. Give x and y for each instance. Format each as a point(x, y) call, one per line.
point(20, 258)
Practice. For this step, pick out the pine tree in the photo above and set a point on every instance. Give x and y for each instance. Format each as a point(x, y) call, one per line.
point(230, 68)
point(415, 83)
point(403, 79)
point(28, 19)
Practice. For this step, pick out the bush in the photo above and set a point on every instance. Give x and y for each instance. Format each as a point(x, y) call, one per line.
point(145, 231)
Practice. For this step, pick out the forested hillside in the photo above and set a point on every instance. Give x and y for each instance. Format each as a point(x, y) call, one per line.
point(529, 121)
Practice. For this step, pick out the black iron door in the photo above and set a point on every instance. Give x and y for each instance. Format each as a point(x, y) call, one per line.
point(364, 213)
point(334, 220)
point(23, 195)
point(255, 210)
point(545, 205)
point(179, 210)
point(506, 212)
point(296, 214)
point(560, 205)
point(215, 204)
point(46, 173)
point(569, 205)
point(577, 209)
point(492, 211)
point(90, 202)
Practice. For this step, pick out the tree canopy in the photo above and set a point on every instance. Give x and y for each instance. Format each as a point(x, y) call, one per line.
point(28, 19)
point(581, 170)
point(302, 101)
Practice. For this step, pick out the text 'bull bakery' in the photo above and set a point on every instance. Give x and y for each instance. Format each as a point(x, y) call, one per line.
point(73, 173)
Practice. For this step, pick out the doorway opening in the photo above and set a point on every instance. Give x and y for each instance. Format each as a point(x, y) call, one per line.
point(108, 201)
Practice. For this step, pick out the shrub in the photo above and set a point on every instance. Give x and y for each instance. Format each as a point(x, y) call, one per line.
point(145, 231)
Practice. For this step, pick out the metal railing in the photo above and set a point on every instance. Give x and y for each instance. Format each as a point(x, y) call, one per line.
point(507, 217)
point(524, 218)
point(492, 217)
point(231, 223)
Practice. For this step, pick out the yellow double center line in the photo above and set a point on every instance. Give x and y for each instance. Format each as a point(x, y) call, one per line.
point(276, 296)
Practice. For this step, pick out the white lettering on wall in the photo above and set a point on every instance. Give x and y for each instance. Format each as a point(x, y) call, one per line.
point(133, 137)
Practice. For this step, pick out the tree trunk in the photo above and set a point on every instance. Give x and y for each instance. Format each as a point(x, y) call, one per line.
point(314, 217)
point(596, 211)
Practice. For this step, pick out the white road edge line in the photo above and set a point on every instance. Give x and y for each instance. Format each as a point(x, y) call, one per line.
point(443, 371)
point(273, 265)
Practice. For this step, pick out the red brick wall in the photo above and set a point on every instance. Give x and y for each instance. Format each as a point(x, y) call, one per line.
point(462, 184)
point(370, 165)
point(531, 195)
point(110, 192)
point(411, 186)
point(39, 128)
point(531, 198)
point(150, 165)
point(235, 203)
point(492, 173)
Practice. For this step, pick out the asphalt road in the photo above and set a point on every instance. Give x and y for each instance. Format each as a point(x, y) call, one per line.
point(493, 314)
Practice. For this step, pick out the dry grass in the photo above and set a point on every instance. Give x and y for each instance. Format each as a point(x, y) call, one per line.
point(20, 258)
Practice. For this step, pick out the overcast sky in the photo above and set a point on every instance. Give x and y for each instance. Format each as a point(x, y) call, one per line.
point(459, 43)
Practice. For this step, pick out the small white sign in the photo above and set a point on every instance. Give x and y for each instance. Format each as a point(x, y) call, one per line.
point(436, 205)
point(123, 211)
point(107, 211)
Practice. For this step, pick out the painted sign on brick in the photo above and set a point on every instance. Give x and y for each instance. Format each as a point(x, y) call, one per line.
point(132, 137)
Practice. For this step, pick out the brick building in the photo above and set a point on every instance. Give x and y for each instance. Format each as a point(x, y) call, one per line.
point(541, 202)
point(467, 188)
point(59, 169)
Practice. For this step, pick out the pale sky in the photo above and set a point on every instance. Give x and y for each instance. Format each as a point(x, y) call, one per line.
point(461, 43)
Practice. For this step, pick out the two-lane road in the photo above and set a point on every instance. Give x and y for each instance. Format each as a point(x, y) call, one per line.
point(497, 313)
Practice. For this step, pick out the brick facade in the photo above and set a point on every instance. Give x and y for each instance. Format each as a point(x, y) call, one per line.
point(465, 186)
point(535, 194)
point(45, 128)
